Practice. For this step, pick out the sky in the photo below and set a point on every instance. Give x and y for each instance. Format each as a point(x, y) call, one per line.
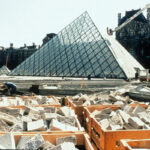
point(28, 21)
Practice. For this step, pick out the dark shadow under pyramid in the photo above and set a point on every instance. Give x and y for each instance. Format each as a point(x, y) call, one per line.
point(78, 50)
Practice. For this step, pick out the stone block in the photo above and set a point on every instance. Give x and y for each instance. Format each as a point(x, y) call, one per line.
point(58, 126)
point(33, 110)
point(26, 109)
point(47, 145)
point(102, 116)
point(43, 100)
point(105, 124)
point(112, 113)
point(26, 119)
point(34, 117)
point(93, 102)
point(116, 119)
point(7, 118)
point(124, 115)
point(146, 127)
point(138, 109)
point(49, 116)
point(84, 98)
point(24, 126)
point(66, 111)
point(23, 140)
point(116, 127)
point(127, 126)
point(76, 97)
point(18, 127)
point(148, 109)
point(12, 111)
point(95, 112)
point(7, 141)
point(65, 146)
point(71, 139)
point(50, 109)
point(144, 117)
point(136, 122)
point(36, 125)
point(106, 111)
point(35, 142)
point(87, 103)
point(4, 127)
point(128, 109)
point(98, 119)
point(67, 120)
point(119, 103)
point(114, 98)
point(30, 102)
point(20, 102)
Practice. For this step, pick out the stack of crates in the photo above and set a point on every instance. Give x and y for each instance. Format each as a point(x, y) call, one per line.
point(83, 139)
point(107, 139)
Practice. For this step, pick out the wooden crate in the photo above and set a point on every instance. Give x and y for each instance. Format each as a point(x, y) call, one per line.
point(77, 107)
point(78, 125)
point(107, 139)
point(22, 107)
point(89, 109)
point(80, 130)
point(134, 144)
point(88, 116)
point(34, 97)
point(82, 139)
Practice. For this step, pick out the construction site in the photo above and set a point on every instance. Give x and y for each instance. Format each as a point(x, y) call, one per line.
point(79, 90)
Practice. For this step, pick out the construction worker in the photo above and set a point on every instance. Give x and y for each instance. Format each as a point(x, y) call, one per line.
point(9, 88)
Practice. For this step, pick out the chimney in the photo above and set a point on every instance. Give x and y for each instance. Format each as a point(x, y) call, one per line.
point(11, 45)
point(119, 18)
point(25, 45)
point(148, 15)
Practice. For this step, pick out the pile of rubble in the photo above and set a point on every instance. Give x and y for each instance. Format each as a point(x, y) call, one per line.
point(28, 101)
point(124, 118)
point(37, 141)
point(38, 119)
point(117, 97)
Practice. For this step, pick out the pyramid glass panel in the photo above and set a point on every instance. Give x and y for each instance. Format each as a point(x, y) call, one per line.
point(78, 50)
point(4, 70)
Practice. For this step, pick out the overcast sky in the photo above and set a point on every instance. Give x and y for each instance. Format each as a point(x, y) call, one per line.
point(28, 21)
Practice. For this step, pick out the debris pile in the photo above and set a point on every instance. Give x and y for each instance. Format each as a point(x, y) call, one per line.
point(117, 97)
point(124, 118)
point(28, 101)
point(37, 141)
point(141, 93)
point(38, 119)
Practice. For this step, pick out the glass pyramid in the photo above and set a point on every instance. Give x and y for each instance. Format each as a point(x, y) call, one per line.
point(4, 70)
point(78, 50)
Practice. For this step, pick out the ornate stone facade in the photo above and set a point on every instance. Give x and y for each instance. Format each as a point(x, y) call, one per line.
point(12, 57)
point(135, 36)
